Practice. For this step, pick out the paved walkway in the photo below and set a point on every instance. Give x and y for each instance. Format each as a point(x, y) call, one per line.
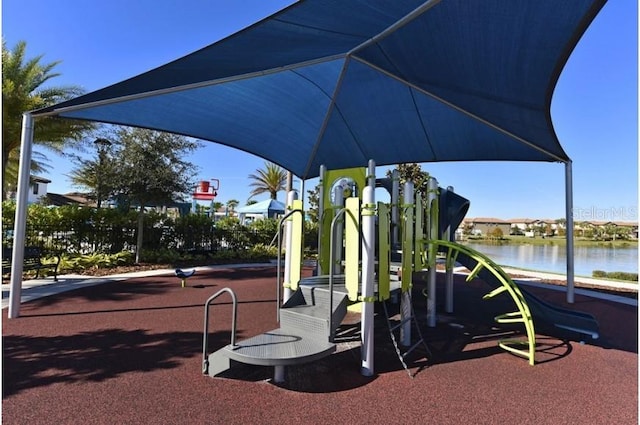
point(37, 288)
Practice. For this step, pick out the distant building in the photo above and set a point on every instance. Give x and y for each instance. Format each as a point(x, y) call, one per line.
point(37, 190)
point(482, 226)
point(523, 225)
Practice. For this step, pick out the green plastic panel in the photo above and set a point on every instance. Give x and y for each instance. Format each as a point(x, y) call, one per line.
point(384, 252)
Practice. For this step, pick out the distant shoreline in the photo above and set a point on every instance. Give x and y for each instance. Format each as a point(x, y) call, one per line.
point(555, 240)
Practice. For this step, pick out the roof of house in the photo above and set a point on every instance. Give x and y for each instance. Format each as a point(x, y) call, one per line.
point(491, 220)
point(59, 200)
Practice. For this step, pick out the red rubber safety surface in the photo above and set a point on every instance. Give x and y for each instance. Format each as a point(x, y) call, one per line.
point(130, 352)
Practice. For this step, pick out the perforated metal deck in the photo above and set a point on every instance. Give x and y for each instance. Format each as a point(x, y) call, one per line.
point(278, 348)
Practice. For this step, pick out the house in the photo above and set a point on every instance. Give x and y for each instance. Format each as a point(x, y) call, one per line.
point(487, 226)
point(37, 189)
point(522, 225)
point(607, 229)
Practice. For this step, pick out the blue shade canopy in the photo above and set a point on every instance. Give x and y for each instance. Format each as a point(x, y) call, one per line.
point(267, 207)
point(339, 82)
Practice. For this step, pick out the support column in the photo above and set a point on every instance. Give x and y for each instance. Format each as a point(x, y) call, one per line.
point(569, 231)
point(395, 200)
point(368, 268)
point(432, 226)
point(323, 171)
point(448, 235)
point(20, 226)
point(408, 245)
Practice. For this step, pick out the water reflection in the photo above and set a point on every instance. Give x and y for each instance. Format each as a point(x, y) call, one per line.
point(552, 258)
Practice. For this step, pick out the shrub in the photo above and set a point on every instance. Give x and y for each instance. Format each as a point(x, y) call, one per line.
point(623, 276)
point(616, 275)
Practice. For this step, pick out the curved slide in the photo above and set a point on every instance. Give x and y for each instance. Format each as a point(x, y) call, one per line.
point(576, 321)
point(453, 209)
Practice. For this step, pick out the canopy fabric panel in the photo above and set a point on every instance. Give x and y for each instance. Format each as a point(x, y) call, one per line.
point(339, 82)
point(269, 206)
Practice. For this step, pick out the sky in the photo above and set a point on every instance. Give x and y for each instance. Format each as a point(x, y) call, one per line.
point(594, 108)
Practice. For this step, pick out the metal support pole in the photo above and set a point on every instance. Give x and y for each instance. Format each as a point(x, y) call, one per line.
point(368, 269)
point(449, 235)
point(569, 233)
point(395, 200)
point(407, 256)
point(432, 226)
point(20, 226)
point(323, 171)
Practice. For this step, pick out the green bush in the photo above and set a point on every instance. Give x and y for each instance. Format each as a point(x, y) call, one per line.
point(623, 276)
point(97, 260)
point(616, 275)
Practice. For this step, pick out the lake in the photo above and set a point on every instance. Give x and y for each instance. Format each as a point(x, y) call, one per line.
point(552, 258)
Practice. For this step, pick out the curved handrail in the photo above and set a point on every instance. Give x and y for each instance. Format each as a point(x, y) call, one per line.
point(205, 338)
point(482, 261)
point(339, 214)
point(279, 259)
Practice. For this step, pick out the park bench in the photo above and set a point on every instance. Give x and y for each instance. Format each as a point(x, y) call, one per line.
point(32, 261)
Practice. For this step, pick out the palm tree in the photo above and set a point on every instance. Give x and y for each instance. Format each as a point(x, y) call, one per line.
point(232, 204)
point(215, 206)
point(22, 91)
point(272, 180)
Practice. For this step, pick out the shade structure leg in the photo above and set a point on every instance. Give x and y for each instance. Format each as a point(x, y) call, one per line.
point(20, 226)
point(569, 233)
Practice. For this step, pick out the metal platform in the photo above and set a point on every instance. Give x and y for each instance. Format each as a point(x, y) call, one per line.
point(279, 348)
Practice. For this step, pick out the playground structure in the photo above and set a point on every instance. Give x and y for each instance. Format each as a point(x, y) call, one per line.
point(205, 190)
point(370, 253)
point(183, 275)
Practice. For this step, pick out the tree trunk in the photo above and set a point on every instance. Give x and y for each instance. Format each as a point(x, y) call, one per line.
point(140, 230)
point(289, 181)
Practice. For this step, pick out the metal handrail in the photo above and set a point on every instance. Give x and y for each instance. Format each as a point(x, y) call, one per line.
point(279, 259)
point(205, 338)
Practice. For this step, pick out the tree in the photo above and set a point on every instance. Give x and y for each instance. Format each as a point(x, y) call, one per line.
point(215, 206)
point(272, 180)
point(98, 175)
point(413, 172)
point(496, 233)
point(151, 170)
point(22, 91)
point(314, 204)
point(232, 204)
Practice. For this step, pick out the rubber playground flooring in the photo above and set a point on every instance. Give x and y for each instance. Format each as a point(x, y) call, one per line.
point(130, 352)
